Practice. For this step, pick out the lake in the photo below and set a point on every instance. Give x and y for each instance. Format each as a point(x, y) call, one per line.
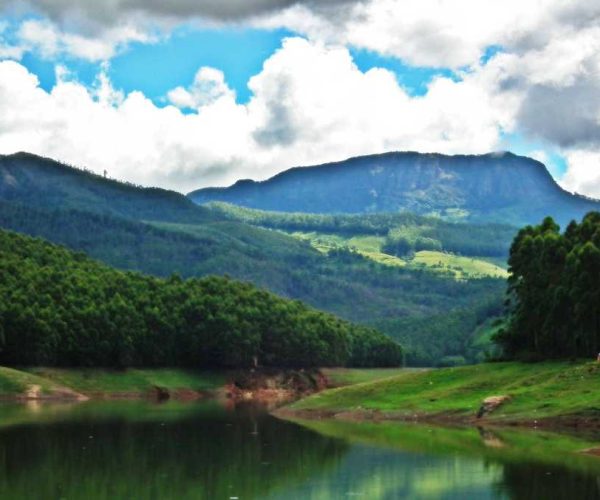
point(138, 449)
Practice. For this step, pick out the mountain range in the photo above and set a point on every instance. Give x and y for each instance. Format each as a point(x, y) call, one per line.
point(433, 284)
point(495, 187)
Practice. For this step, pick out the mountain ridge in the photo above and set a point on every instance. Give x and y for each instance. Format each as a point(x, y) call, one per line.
point(44, 182)
point(494, 187)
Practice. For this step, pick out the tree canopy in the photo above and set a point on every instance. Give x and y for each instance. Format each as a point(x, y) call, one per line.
point(60, 308)
point(554, 291)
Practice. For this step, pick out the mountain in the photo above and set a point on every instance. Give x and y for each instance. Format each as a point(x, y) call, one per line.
point(161, 232)
point(496, 187)
point(46, 183)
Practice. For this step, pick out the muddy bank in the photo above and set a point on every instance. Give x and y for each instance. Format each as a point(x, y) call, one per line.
point(273, 387)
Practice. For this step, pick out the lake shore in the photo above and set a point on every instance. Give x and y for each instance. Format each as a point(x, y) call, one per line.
point(267, 385)
point(554, 395)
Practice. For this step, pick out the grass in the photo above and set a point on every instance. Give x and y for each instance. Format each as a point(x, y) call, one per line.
point(14, 382)
point(339, 377)
point(537, 391)
point(96, 380)
point(462, 267)
point(370, 247)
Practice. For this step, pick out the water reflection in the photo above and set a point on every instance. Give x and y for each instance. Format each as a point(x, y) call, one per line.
point(138, 450)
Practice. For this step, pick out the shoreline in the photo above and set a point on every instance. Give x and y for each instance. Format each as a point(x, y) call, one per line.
point(557, 423)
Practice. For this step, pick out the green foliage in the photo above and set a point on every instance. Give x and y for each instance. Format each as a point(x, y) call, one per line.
point(428, 341)
point(59, 308)
point(553, 291)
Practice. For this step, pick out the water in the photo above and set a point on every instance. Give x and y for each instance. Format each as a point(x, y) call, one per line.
point(130, 450)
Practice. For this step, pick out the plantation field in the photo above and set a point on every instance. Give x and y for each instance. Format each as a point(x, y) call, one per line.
point(371, 247)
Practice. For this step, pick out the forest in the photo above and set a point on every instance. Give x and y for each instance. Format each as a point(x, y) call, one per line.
point(399, 299)
point(554, 291)
point(60, 308)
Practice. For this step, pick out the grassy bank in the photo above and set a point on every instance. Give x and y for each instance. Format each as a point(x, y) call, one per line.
point(62, 383)
point(537, 392)
point(93, 382)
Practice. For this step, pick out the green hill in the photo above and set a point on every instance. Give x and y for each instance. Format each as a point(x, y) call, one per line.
point(42, 182)
point(60, 308)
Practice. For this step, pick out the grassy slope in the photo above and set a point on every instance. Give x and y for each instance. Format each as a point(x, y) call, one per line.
point(371, 247)
point(94, 380)
point(339, 377)
point(461, 267)
point(538, 390)
point(14, 382)
point(90, 380)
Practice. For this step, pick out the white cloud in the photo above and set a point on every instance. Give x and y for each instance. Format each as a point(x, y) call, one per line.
point(49, 41)
point(310, 104)
point(583, 174)
point(209, 86)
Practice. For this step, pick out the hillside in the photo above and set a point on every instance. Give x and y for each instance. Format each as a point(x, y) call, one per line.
point(42, 182)
point(489, 188)
point(556, 390)
point(339, 281)
point(84, 313)
point(402, 239)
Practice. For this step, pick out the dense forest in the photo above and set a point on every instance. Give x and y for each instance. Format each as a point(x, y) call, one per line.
point(61, 308)
point(554, 291)
point(398, 300)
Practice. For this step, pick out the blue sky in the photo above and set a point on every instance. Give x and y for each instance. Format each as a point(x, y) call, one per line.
point(451, 83)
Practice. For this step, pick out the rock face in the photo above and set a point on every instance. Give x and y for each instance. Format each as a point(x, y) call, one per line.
point(496, 187)
point(490, 404)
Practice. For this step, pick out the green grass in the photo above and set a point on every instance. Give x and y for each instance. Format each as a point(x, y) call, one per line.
point(14, 382)
point(537, 390)
point(370, 247)
point(339, 377)
point(462, 267)
point(95, 380)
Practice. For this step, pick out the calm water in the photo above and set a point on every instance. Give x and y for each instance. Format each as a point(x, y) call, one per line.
point(141, 450)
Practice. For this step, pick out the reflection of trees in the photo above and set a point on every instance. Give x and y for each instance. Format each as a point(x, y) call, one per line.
point(527, 481)
point(201, 456)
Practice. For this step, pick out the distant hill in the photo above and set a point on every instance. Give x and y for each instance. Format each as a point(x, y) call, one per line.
point(46, 183)
point(497, 187)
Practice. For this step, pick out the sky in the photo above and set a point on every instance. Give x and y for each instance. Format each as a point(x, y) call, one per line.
point(192, 93)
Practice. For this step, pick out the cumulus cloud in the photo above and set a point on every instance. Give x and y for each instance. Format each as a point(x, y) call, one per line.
point(310, 104)
point(209, 86)
point(583, 174)
point(46, 39)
